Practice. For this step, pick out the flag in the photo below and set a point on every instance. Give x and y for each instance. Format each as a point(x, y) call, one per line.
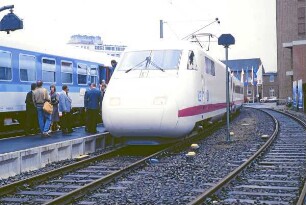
point(252, 77)
point(247, 77)
point(259, 75)
point(241, 75)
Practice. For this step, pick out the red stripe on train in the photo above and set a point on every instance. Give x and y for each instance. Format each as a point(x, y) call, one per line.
point(200, 109)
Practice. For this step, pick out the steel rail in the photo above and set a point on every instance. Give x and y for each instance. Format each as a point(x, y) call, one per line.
point(301, 199)
point(80, 192)
point(72, 196)
point(200, 199)
point(13, 187)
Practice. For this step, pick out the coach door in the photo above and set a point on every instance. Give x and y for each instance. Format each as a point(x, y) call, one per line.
point(203, 79)
point(104, 74)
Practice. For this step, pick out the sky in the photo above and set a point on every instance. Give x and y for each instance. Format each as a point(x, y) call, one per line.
point(251, 22)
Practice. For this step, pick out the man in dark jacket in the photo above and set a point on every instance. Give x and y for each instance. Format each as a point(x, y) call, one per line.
point(92, 104)
point(31, 113)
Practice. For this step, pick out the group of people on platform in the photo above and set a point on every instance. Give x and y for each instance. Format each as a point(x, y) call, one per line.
point(61, 116)
point(38, 120)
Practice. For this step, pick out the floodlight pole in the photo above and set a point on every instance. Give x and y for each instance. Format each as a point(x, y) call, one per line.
point(226, 40)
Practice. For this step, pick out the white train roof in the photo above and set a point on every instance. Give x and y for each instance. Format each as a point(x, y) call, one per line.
point(62, 50)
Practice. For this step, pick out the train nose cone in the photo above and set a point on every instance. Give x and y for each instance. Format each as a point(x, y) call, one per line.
point(134, 121)
point(148, 116)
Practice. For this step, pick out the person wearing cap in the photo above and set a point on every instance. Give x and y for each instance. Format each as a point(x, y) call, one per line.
point(40, 96)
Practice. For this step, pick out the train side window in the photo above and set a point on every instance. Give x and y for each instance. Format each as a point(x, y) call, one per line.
point(48, 70)
point(93, 74)
point(210, 66)
point(5, 65)
point(66, 72)
point(82, 74)
point(27, 68)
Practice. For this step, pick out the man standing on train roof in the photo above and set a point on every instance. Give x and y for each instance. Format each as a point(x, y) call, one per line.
point(92, 104)
point(64, 107)
point(40, 96)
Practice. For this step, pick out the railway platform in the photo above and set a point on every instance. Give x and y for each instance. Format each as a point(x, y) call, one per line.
point(27, 153)
point(30, 141)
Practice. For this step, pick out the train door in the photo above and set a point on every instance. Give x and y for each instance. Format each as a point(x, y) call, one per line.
point(104, 73)
point(202, 72)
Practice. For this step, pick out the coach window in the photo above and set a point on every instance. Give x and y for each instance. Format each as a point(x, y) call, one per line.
point(27, 68)
point(48, 70)
point(66, 72)
point(82, 74)
point(5, 65)
point(93, 74)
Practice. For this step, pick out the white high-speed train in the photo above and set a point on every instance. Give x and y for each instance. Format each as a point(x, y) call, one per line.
point(159, 92)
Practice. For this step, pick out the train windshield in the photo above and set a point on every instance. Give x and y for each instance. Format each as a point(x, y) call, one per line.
point(150, 59)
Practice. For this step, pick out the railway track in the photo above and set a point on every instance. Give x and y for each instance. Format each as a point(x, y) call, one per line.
point(273, 175)
point(58, 186)
point(65, 185)
point(176, 179)
point(69, 186)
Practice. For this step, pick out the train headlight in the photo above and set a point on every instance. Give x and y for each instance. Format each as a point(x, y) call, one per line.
point(160, 101)
point(115, 101)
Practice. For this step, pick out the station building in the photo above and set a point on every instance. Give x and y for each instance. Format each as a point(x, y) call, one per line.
point(291, 49)
point(95, 43)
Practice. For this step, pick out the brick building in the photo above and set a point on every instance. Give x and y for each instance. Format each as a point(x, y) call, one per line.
point(291, 44)
point(270, 86)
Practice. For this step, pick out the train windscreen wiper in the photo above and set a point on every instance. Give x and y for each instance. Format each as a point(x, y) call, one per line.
point(128, 70)
point(150, 62)
point(156, 66)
